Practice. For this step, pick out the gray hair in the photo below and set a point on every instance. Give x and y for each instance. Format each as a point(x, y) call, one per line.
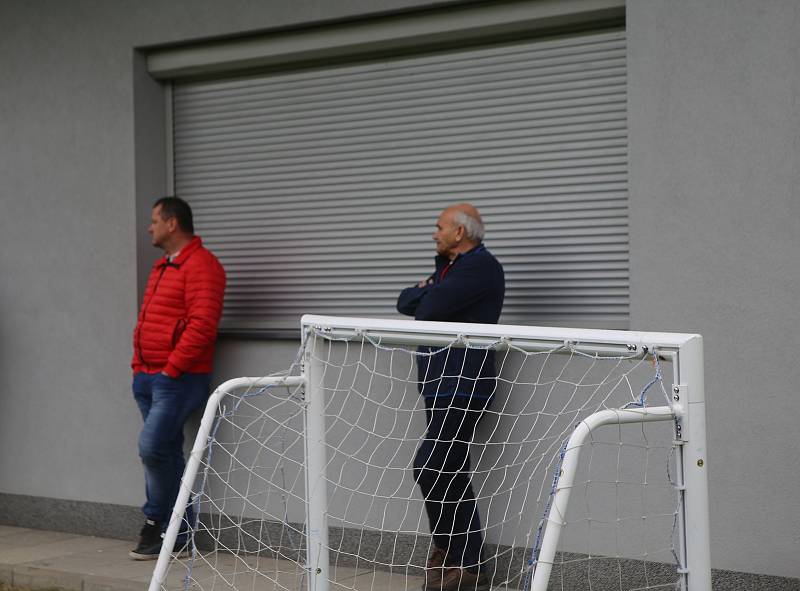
point(472, 227)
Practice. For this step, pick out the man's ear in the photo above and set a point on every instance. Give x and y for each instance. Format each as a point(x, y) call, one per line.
point(172, 224)
point(460, 233)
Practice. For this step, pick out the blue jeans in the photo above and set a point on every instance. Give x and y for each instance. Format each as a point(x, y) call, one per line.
point(165, 404)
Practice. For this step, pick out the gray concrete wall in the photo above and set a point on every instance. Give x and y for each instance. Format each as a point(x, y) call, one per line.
point(81, 158)
point(714, 113)
point(714, 235)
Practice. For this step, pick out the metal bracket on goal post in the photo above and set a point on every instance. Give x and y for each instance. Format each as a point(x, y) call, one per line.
point(198, 450)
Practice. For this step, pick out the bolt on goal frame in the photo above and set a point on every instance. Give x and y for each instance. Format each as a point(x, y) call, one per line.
point(684, 408)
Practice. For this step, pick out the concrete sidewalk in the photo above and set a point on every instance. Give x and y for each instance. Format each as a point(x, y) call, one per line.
point(38, 559)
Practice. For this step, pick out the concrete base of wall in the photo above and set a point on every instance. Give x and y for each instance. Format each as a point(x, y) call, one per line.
point(123, 522)
point(78, 517)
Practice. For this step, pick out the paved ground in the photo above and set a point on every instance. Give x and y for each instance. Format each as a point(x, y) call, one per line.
point(38, 559)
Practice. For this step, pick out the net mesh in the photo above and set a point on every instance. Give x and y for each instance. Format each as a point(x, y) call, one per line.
point(250, 493)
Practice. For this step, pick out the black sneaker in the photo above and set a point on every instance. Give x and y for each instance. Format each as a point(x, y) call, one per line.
point(150, 539)
point(149, 545)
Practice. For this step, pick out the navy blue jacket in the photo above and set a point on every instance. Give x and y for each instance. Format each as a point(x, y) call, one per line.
point(470, 289)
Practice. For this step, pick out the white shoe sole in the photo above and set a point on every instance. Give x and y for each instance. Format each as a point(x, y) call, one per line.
point(183, 553)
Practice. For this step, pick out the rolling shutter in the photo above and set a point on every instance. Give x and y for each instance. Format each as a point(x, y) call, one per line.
point(319, 189)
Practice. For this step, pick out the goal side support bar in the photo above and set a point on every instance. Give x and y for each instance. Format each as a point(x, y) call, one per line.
point(566, 480)
point(192, 466)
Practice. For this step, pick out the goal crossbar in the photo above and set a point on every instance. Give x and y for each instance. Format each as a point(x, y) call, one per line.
point(530, 338)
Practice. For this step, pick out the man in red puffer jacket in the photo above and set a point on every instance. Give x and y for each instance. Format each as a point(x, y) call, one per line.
point(173, 349)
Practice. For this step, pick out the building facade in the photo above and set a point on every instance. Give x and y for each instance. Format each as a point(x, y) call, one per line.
point(675, 138)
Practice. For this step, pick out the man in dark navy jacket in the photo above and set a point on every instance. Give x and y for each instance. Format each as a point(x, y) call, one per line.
point(457, 384)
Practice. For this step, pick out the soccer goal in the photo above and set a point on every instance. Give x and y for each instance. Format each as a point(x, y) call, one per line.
point(588, 466)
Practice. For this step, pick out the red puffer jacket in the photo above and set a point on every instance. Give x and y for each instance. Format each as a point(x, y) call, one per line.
point(182, 305)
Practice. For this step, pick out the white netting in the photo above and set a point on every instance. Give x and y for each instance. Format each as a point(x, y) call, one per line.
point(250, 492)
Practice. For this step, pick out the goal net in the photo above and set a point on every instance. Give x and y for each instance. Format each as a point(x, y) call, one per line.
point(581, 467)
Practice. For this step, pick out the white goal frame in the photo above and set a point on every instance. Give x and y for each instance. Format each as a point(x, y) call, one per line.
point(686, 409)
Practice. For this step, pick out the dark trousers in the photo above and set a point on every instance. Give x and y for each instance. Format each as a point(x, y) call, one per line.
point(441, 468)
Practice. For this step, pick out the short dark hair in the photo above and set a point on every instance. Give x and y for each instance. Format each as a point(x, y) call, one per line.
point(175, 207)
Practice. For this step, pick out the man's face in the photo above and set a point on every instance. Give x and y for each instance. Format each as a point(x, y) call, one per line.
point(159, 228)
point(446, 235)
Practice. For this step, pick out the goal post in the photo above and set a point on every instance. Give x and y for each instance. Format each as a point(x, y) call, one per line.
point(318, 561)
point(689, 397)
point(307, 488)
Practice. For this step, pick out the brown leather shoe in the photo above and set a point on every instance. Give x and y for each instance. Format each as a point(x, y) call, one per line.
point(434, 568)
point(455, 578)
point(436, 559)
point(433, 579)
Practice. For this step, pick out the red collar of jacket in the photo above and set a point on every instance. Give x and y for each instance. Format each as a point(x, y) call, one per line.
point(185, 253)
